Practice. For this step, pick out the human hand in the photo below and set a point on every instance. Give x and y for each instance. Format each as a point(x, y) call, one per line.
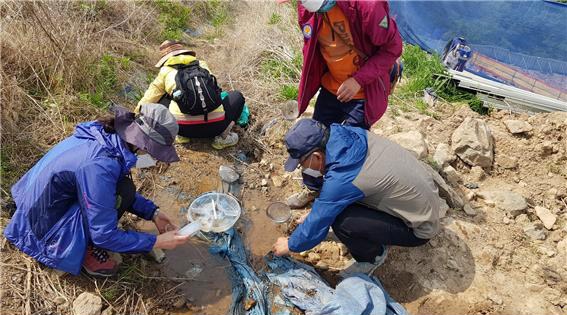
point(348, 90)
point(170, 240)
point(163, 223)
point(280, 247)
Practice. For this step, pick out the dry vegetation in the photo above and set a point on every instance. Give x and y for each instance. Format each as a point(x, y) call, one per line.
point(62, 62)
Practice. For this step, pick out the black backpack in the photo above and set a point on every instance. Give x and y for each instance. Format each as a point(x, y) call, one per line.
point(196, 90)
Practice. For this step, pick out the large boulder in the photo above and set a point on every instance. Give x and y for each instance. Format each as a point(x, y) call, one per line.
point(443, 155)
point(87, 304)
point(412, 141)
point(472, 141)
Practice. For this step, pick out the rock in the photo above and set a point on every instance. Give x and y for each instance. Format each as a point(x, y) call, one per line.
point(546, 148)
point(278, 181)
point(495, 299)
point(546, 217)
point(443, 208)
point(454, 200)
point(87, 304)
point(472, 141)
point(507, 162)
point(534, 232)
point(511, 202)
point(452, 176)
point(477, 173)
point(412, 141)
point(108, 311)
point(264, 182)
point(469, 210)
point(471, 185)
point(443, 155)
point(517, 126)
point(470, 195)
point(321, 265)
point(522, 219)
point(228, 174)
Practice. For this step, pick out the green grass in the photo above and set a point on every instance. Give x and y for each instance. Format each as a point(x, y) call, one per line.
point(289, 92)
point(174, 17)
point(105, 74)
point(424, 70)
point(110, 294)
point(277, 68)
point(217, 13)
point(274, 19)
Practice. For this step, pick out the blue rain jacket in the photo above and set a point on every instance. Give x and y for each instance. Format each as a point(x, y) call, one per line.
point(67, 199)
point(345, 155)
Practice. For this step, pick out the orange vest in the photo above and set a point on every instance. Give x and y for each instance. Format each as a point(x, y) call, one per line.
point(342, 62)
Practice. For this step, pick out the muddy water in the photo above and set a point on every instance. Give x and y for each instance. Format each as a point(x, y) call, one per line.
point(210, 287)
point(259, 231)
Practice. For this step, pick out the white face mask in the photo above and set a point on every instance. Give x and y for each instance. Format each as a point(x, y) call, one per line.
point(144, 161)
point(312, 172)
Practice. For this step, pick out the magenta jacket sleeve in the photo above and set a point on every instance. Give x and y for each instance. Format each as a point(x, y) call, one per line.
point(383, 32)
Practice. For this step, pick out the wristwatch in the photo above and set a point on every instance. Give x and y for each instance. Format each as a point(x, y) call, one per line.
point(156, 212)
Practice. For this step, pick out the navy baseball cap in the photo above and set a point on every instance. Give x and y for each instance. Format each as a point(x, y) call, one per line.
point(306, 136)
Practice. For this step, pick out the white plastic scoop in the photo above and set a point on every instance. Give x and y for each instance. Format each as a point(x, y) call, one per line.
point(211, 212)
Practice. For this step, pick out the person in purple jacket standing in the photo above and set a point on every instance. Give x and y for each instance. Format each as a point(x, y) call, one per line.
point(350, 55)
point(69, 203)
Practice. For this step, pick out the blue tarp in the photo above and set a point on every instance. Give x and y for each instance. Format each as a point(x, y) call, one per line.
point(298, 286)
point(527, 37)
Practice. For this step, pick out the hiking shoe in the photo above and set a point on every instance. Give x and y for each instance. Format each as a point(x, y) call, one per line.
point(182, 140)
point(353, 266)
point(98, 263)
point(301, 199)
point(229, 140)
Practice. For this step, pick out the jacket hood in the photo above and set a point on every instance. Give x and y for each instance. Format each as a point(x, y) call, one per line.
point(93, 130)
point(346, 148)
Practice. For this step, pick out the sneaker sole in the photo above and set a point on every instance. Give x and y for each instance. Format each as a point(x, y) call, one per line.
point(98, 274)
point(222, 146)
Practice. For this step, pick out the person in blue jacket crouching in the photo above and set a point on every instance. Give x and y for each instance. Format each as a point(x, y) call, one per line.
point(69, 203)
point(373, 192)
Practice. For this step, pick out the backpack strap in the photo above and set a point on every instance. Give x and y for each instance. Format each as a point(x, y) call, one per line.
point(344, 40)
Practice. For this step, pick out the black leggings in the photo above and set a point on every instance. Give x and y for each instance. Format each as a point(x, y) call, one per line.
point(125, 195)
point(364, 231)
point(233, 105)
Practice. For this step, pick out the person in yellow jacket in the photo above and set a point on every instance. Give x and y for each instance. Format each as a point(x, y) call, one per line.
point(219, 122)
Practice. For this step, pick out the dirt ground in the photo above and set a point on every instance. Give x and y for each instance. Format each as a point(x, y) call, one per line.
point(482, 264)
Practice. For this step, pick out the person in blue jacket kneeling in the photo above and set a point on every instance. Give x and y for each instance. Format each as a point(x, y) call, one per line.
point(69, 203)
point(373, 193)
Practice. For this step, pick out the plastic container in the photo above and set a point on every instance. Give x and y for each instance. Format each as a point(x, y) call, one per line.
point(278, 212)
point(211, 212)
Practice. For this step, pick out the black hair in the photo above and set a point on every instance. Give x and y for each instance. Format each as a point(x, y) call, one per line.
point(107, 123)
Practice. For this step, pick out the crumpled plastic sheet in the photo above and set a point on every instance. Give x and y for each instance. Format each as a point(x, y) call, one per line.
point(300, 286)
point(303, 287)
point(245, 283)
